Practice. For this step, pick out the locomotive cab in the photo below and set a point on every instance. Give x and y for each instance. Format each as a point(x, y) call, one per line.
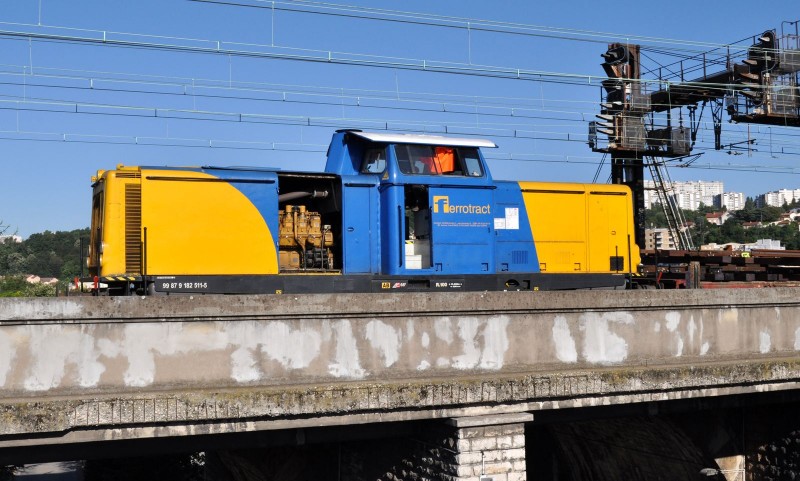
point(436, 200)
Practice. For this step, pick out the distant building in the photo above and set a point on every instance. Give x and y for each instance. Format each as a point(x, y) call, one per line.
point(778, 197)
point(34, 279)
point(768, 244)
point(717, 218)
point(659, 238)
point(729, 246)
point(761, 244)
point(689, 195)
point(732, 201)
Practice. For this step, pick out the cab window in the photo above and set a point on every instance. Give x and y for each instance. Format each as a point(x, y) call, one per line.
point(438, 160)
point(472, 162)
point(374, 162)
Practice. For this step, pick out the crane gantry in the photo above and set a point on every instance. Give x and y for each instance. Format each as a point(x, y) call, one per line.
point(761, 88)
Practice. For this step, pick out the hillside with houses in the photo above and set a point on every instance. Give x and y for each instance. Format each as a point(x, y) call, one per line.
point(41, 263)
point(768, 227)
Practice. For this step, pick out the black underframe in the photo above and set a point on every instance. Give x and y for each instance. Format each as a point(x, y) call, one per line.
point(317, 284)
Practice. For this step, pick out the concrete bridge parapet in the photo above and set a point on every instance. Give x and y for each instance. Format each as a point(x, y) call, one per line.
point(81, 369)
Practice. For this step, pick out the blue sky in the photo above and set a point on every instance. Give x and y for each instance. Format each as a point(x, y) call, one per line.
point(70, 108)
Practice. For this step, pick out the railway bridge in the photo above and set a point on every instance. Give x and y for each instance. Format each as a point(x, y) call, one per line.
point(451, 386)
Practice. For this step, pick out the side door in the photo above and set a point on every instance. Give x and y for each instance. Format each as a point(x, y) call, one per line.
point(360, 226)
point(462, 230)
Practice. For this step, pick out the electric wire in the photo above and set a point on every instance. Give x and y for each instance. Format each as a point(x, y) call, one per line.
point(353, 11)
point(145, 45)
point(493, 128)
point(94, 85)
point(202, 143)
point(239, 49)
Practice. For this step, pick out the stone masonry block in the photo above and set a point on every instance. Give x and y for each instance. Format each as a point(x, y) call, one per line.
point(464, 446)
point(505, 442)
point(519, 465)
point(514, 454)
point(483, 444)
point(495, 477)
point(491, 420)
point(492, 456)
point(464, 471)
point(517, 476)
point(469, 433)
point(498, 468)
point(468, 458)
point(518, 441)
point(513, 429)
point(494, 430)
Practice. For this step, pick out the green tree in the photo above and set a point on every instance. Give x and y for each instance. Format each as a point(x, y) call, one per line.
point(731, 231)
point(46, 254)
point(749, 213)
point(654, 217)
point(16, 263)
point(705, 209)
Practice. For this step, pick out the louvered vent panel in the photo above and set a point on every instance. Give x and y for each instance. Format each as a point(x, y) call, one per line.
point(519, 257)
point(133, 228)
point(123, 174)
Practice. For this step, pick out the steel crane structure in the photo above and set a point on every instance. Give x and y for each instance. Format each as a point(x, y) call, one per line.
point(760, 87)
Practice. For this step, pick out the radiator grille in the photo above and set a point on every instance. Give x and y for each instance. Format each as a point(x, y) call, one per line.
point(519, 257)
point(133, 228)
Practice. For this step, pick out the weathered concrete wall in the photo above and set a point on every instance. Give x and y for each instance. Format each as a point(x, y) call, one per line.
point(241, 360)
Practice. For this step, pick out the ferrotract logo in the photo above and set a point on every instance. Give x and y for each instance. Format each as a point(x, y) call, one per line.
point(441, 203)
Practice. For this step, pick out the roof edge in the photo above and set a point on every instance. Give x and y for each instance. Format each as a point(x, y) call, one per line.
point(390, 138)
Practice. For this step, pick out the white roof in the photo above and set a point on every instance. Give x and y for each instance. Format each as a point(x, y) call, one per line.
point(423, 139)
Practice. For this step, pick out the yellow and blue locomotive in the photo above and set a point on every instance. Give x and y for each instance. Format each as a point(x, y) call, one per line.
point(390, 212)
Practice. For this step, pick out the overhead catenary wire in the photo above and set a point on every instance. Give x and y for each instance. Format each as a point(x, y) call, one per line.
point(464, 23)
point(512, 130)
point(239, 49)
point(732, 50)
point(451, 67)
point(94, 84)
point(495, 130)
point(592, 80)
point(198, 143)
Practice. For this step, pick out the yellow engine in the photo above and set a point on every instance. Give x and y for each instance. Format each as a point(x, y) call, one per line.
point(303, 240)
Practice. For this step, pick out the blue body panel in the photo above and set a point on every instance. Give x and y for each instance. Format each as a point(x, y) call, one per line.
point(462, 229)
point(361, 225)
point(392, 231)
point(344, 155)
point(515, 246)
